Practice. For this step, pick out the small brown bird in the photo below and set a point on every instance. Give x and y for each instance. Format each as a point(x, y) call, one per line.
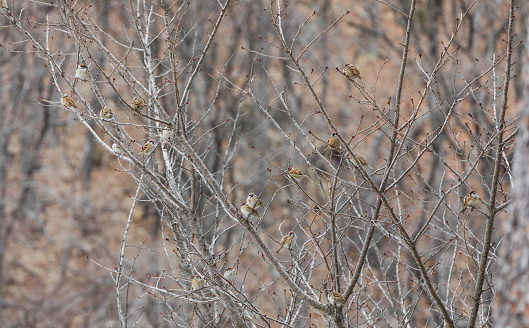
point(68, 102)
point(287, 241)
point(352, 72)
point(148, 148)
point(106, 113)
point(137, 104)
point(198, 283)
point(230, 275)
point(247, 211)
point(253, 200)
point(332, 143)
point(335, 298)
point(470, 201)
point(324, 298)
point(117, 149)
point(3, 4)
point(82, 72)
point(361, 160)
point(295, 174)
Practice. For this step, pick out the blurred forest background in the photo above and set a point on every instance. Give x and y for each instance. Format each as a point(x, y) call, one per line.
point(251, 88)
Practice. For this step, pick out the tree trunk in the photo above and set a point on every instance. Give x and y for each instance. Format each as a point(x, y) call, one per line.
point(512, 281)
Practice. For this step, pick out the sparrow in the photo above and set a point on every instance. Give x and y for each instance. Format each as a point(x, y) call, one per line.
point(230, 275)
point(253, 200)
point(198, 283)
point(287, 240)
point(117, 149)
point(335, 298)
point(82, 72)
point(361, 160)
point(247, 211)
point(68, 102)
point(470, 201)
point(323, 293)
point(148, 148)
point(332, 143)
point(168, 135)
point(106, 113)
point(352, 72)
point(137, 104)
point(295, 174)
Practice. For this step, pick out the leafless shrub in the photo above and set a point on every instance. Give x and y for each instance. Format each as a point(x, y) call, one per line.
point(232, 97)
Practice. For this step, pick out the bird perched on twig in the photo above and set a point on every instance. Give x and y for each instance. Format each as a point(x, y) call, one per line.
point(352, 72)
point(247, 211)
point(335, 298)
point(198, 283)
point(295, 174)
point(117, 149)
point(230, 275)
point(253, 200)
point(167, 137)
point(287, 241)
point(106, 113)
point(324, 297)
point(148, 148)
point(137, 104)
point(82, 72)
point(361, 160)
point(333, 143)
point(470, 201)
point(68, 102)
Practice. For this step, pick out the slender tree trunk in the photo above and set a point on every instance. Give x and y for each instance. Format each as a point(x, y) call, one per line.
point(512, 281)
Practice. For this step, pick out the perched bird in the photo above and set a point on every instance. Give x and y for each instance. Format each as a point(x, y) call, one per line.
point(137, 104)
point(3, 4)
point(198, 283)
point(148, 148)
point(82, 72)
point(335, 298)
point(106, 113)
point(253, 200)
point(361, 160)
point(247, 211)
point(230, 275)
point(332, 143)
point(323, 293)
point(68, 102)
point(352, 72)
point(295, 174)
point(117, 149)
point(317, 209)
point(168, 135)
point(470, 201)
point(287, 241)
